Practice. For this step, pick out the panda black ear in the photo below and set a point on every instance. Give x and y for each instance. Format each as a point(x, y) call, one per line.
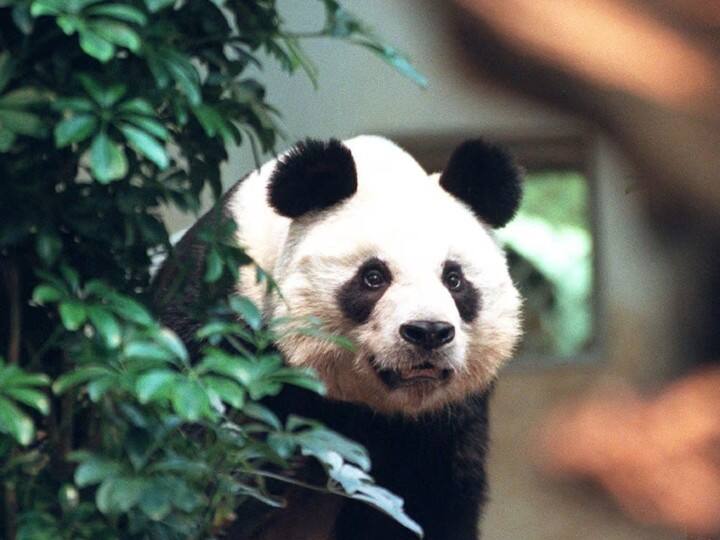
point(486, 178)
point(313, 175)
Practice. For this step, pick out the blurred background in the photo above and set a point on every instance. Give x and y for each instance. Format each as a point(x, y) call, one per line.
point(600, 247)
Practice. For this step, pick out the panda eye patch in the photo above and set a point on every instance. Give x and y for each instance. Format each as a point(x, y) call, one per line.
point(466, 296)
point(358, 296)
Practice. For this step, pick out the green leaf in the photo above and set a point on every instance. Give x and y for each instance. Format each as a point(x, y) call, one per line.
point(244, 307)
point(7, 139)
point(116, 33)
point(155, 384)
point(361, 488)
point(22, 123)
point(155, 502)
point(107, 159)
point(70, 23)
point(96, 46)
point(146, 145)
point(92, 87)
point(225, 390)
point(319, 440)
point(122, 12)
point(148, 350)
point(263, 414)
point(189, 400)
point(173, 343)
point(118, 495)
point(156, 5)
point(23, 97)
point(106, 325)
point(150, 125)
point(396, 60)
point(96, 469)
point(48, 246)
point(72, 314)
point(210, 119)
point(213, 266)
point(32, 398)
point(110, 95)
point(79, 376)
point(75, 129)
point(121, 305)
point(97, 388)
point(14, 376)
point(185, 75)
point(71, 276)
point(76, 104)
point(45, 7)
point(184, 497)
point(304, 378)
point(22, 18)
point(137, 106)
point(214, 330)
point(47, 293)
point(221, 363)
point(16, 423)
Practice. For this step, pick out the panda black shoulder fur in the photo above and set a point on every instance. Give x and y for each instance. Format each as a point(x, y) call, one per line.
point(357, 234)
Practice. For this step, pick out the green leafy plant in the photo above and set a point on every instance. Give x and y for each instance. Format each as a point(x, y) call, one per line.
point(110, 426)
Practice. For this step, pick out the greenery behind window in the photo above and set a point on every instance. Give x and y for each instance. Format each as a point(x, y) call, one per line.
point(550, 250)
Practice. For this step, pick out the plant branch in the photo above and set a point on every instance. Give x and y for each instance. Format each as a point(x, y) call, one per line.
point(10, 511)
point(320, 489)
point(11, 278)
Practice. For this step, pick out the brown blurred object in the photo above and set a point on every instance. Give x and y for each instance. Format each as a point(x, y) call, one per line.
point(659, 457)
point(648, 73)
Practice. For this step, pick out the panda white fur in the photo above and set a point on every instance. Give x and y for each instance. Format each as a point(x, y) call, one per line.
point(404, 263)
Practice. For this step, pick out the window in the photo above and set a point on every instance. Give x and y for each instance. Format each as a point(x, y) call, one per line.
point(550, 243)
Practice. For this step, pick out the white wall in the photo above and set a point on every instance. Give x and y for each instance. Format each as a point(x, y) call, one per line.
point(360, 94)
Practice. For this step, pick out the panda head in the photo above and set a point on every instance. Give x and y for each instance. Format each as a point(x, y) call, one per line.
point(403, 263)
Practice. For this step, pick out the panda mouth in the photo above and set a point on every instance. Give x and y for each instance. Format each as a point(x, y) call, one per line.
point(419, 375)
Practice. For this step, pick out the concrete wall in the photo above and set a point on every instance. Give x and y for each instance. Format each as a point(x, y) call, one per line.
point(359, 94)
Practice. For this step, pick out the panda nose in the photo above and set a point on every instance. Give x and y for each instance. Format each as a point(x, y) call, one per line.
point(427, 334)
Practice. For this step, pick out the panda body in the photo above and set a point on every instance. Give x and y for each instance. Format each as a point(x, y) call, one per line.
point(404, 263)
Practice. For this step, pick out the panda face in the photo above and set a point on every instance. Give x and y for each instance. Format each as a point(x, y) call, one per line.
point(408, 272)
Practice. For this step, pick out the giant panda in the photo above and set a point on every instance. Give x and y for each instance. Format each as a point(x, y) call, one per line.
point(406, 265)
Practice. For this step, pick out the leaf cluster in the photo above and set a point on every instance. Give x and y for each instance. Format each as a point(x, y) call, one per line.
point(111, 111)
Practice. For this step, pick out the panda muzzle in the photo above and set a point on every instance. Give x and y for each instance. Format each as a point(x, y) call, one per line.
point(426, 373)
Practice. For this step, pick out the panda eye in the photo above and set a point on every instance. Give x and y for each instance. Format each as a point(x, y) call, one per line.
point(373, 278)
point(453, 281)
